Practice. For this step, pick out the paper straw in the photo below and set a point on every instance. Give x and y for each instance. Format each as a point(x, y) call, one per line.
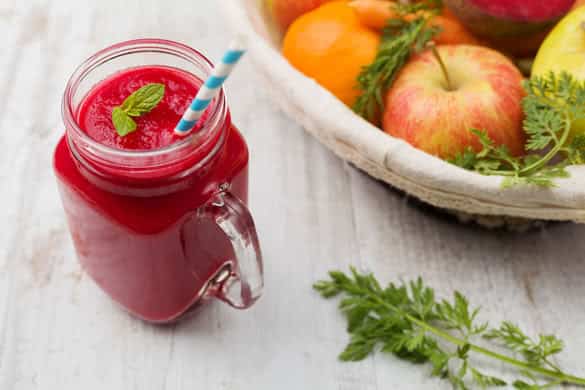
point(211, 87)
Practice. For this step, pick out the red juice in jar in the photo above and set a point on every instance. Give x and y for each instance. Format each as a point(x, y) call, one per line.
point(159, 221)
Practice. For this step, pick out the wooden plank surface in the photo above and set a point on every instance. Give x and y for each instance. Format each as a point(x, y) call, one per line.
point(313, 212)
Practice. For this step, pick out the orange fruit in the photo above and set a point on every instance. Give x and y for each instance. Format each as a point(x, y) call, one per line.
point(286, 11)
point(446, 12)
point(331, 46)
point(452, 32)
point(375, 14)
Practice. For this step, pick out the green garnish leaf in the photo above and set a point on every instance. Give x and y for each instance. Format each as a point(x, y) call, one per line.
point(401, 38)
point(553, 103)
point(143, 100)
point(423, 5)
point(537, 352)
point(484, 381)
point(123, 122)
point(140, 102)
point(576, 153)
point(408, 321)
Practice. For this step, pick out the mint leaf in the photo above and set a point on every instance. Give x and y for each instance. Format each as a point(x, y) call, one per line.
point(140, 102)
point(143, 100)
point(122, 121)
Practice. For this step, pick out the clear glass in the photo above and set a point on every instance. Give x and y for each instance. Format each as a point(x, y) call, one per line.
point(160, 230)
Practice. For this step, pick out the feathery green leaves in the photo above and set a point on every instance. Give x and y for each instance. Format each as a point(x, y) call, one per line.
point(552, 106)
point(400, 39)
point(407, 320)
point(537, 352)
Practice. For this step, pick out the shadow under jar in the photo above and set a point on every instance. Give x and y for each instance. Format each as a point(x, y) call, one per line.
point(159, 230)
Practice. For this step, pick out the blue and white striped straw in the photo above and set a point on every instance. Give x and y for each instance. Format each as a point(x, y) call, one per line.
point(211, 87)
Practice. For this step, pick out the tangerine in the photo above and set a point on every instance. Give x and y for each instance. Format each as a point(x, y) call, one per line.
point(331, 45)
point(376, 13)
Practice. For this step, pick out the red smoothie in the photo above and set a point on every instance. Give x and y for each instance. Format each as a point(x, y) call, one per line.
point(155, 129)
point(136, 219)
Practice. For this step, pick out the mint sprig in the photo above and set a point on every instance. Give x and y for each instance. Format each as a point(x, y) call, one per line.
point(140, 102)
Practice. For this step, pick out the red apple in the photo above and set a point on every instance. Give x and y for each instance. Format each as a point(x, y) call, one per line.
point(286, 11)
point(516, 27)
point(485, 93)
point(509, 18)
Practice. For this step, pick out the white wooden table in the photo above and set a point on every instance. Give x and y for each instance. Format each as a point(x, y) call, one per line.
point(313, 212)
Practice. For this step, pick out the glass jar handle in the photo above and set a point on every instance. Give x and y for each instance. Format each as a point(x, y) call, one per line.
point(239, 282)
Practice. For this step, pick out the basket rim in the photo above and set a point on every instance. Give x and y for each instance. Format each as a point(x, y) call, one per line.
point(393, 160)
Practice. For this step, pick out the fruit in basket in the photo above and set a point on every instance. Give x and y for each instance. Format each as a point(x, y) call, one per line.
point(331, 46)
point(452, 32)
point(434, 106)
point(286, 11)
point(376, 13)
point(501, 18)
point(563, 50)
point(514, 26)
point(519, 47)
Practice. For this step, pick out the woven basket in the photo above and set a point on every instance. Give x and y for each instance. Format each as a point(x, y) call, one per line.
point(389, 159)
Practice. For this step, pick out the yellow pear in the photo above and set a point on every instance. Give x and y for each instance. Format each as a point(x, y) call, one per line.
point(564, 50)
point(564, 47)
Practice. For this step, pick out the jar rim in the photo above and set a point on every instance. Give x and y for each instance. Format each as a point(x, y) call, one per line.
point(216, 111)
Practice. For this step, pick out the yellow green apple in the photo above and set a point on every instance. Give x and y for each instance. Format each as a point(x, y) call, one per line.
point(564, 50)
point(564, 47)
point(433, 107)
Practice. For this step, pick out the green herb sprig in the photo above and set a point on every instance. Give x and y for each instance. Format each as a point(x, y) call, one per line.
point(405, 8)
point(408, 321)
point(400, 39)
point(140, 102)
point(552, 105)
